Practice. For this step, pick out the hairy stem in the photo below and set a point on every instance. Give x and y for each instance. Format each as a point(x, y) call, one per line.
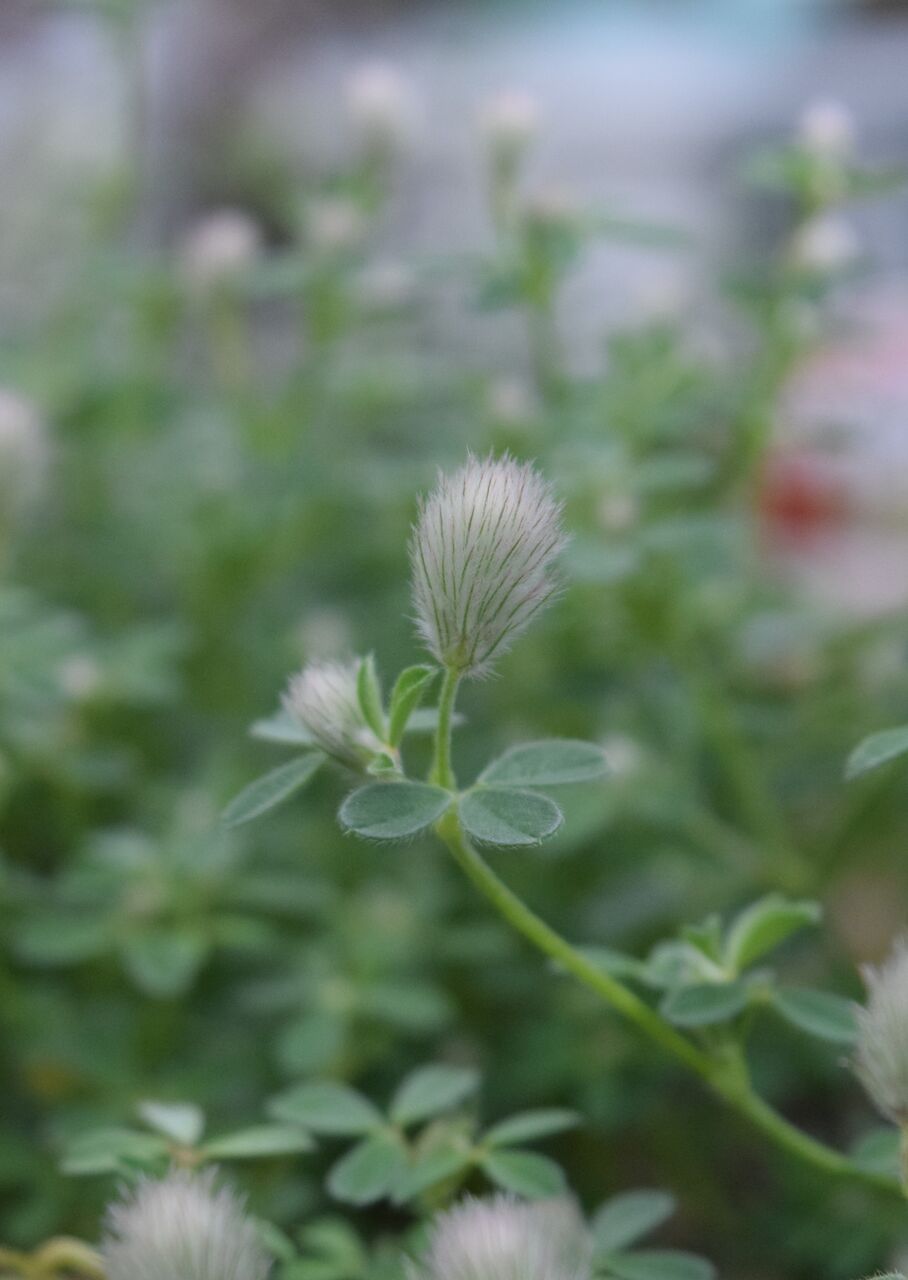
point(731, 1086)
point(441, 772)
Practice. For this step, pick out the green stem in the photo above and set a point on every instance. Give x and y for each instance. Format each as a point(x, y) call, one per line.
point(731, 1086)
point(441, 772)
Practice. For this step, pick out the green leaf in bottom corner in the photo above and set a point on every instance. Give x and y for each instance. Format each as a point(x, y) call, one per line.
point(704, 1003)
point(658, 1264)
point(878, 749)
point(819, 1013)
point(507, 816)
point(525, 1173)
point(271, 789)
point(627, 1217)
point(370, 1171)
point(392, 810)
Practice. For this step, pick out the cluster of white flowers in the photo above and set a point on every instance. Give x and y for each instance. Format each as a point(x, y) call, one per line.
point(882, 1048)
point(504, 1239)
point(481, 553)
point(322, 698)
point(219, 247)
point(181, 1227)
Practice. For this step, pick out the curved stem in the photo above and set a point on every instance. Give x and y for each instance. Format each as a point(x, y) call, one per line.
point(441, 772)
point(731, 1086)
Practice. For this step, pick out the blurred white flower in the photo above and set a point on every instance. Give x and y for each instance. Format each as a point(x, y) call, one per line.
point(825, 243)
point(181, 1228)
point(24, 452)
point(79, 677)
point(322, 697)
point(827, 129)
point(617, 511)
point(881, 1060)
point(503, 1239)
point(623, 754)
point(385, 285)
point(481, 551)
point(380, 103)
point(510, 120)
point(323, 632)
point(511, 401)
point(334, 225)
point(219, 247)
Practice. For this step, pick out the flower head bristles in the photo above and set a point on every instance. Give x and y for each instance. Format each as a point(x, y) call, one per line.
point(181, 1227)
point(504, 1239)
point(323, 699)
point(481, 555)
point(881, 1060)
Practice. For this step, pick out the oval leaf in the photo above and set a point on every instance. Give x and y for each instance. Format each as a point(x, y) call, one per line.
point(271, 789)
point(528, 1125)
point(624, 1219)
point(538, 764)
point(765, 924)
point(180, 1121)
point(705, 1003)
point(435, 1166)
point(408, 692)
point(500, 816)
point(525, 1173)
point(392, 810)
point(368, 1172)
point(659, 1264)
point(284, 728)
point(368, 694)
point(259, 1140)
point(876, 750)
point(819, 1013)
point(325, 1106)
point(431, 1090)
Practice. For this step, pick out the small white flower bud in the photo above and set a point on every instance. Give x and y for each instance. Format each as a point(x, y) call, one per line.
point(334, 225)
point(510, 121)
point(480, 553)
point(881, 1061)
point(380, 103)
point(504, 1239)
point(826, 129)
point(825, 243)
point(322, 697)
point(24, 452)
point(219, 247)
point(181, 1228)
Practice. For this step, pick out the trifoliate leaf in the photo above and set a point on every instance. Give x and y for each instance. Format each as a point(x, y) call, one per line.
point(370, 1171)
point(368, 695)
point(538, 764)
point(409, 691)
point(626, 1218)
point(763, 925)
point(393, 810)
point(180, 1121)
point(819, 1013)
point(526, 1126)
point(876, 750)
point(271, 789)
point(498, 815)
point(705, 1003)
point(259, 1140)
point(431, 1090)
point(525, 1173)
point(326, 1106)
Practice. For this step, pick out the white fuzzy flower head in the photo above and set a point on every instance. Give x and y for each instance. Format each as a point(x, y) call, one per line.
point(825, 243)
point(826, 129)
point(510, 120)
point(181, 1228)
point(219, 247)
point(380, 103)
point(322, 698)
point(503, 1239)
point(481, 553)
point(881, 1060)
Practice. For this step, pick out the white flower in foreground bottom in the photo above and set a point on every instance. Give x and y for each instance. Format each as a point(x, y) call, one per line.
point(481, 552)
point(322, 697)
point(504, 1239)
point(181, 1228)
point(882, 1048)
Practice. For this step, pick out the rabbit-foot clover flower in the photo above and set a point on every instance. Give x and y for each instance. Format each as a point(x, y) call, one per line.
point(181, 1227)
point(881, 1061)
point(501, 1238)
point(323, 699)
point(481, 554)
